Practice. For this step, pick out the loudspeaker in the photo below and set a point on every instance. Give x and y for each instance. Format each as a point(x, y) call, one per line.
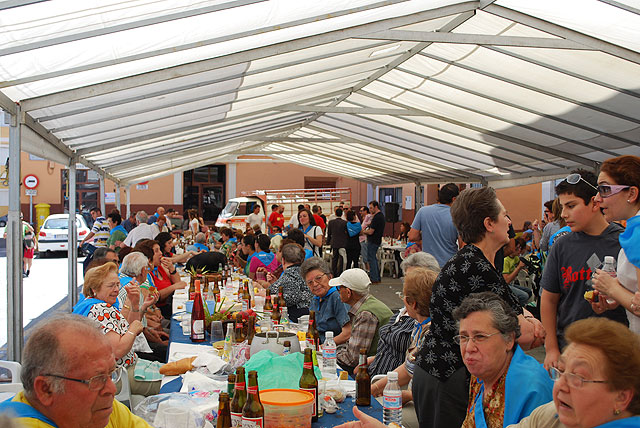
point(391, 211)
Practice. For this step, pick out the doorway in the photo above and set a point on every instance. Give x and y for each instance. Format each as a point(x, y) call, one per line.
point(204, 191)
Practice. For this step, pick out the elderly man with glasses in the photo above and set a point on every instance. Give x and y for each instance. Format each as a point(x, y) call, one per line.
point(331, 313)
point(69, 377)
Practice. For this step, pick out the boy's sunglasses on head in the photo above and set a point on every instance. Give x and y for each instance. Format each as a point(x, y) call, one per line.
point(575, 179)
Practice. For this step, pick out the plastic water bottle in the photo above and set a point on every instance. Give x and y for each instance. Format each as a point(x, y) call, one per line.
point(329, 357)
point(392, 400)
point(610, 268)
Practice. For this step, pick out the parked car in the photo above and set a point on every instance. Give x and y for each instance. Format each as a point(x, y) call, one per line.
point(54, 233)
point(3, 220)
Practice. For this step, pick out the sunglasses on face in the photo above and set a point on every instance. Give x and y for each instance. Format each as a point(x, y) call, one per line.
point(607, 190)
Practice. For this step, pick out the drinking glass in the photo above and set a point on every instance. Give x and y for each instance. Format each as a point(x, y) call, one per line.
point(217, 333)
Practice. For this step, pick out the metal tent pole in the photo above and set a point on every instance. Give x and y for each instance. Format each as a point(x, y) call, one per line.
point(118, 207)
point(72, 239)
point(15, 333)
point(128, 192)
point(102, 204)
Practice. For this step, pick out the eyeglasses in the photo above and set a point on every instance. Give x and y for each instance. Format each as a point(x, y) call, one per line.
point(575, 178)
point(573, 380)
point(95, 383)
point(607, 190)
point(316, 279)
point(478, 338)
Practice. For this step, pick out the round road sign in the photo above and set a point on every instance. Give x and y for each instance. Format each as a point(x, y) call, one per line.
point(31, 181)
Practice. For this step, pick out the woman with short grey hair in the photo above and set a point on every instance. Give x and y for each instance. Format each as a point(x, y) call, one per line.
point(420, 259)
point(296, 294)
point(506, 384)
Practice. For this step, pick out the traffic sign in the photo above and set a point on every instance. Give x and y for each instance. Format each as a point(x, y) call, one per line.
point(31, 192)
point(31, 181)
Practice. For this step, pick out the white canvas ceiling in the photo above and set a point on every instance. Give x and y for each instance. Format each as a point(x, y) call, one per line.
point(501, 92)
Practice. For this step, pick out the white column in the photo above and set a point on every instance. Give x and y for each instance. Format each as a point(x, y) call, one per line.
point(178, 188)
point(15, 333)
point(118, 207)
point(370, 194)
point(72, 238)
point(232, 171)
point(419, 195)
point(102, 204)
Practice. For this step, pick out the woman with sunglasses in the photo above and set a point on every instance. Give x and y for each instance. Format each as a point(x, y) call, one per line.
point(618, 195)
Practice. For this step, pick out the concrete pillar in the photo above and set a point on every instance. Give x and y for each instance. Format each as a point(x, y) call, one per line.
point(72, 238)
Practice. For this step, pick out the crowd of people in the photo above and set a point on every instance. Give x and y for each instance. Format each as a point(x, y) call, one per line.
point(459, 344)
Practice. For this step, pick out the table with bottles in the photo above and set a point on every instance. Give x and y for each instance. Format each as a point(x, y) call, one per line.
point(234, 292)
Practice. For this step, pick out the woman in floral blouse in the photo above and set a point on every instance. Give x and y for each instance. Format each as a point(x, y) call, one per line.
point(100, 289)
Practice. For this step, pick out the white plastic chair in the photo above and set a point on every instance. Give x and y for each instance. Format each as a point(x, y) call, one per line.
point(124, 396)
point(388, 257)
point(9, 389)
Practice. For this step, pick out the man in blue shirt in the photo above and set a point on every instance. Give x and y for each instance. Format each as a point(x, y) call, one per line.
point(433, 222)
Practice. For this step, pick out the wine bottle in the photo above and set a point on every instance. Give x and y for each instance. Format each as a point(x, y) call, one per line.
point(197, 316)
point(309, 382)
point(239, 398)
point(253, 410)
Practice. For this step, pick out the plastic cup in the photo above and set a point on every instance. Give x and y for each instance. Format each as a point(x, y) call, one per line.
point(176, 417)
point(217, 333)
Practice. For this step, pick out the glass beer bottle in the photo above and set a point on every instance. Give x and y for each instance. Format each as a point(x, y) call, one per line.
point(281, 302)
point(363, 381)
point(253, 410)
point(239, 329)
point(268, 307)
point(239, 399)
point(313, 337)
point(246, 297)
point(231, 385)
point(224, 413)
point(309, 382)
point(275, 316)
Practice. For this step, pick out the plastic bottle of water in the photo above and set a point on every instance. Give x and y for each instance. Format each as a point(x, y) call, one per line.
point(609, 267)
point(329, 357)
point(392, 400)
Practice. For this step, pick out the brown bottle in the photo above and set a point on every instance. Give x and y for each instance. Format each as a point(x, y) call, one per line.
point(251, 331)
point(192, 287)
point(281, 302)
point(238, 330)
point(275, 316)
point(224, 412)
point(313, 337)
point(239, 399)
point(309, 382)
point(268, 307)
point(216, 291)
point(363, 381)
point(253, 411)
point(246, 297)
point(205, 279)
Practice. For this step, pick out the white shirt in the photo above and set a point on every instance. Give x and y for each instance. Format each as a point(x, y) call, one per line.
point(142, 231)
point(254, 219)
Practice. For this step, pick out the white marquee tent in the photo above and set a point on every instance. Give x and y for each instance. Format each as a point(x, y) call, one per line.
point(500, 92)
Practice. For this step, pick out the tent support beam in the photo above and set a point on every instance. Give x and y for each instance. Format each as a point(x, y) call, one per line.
point(102, 202)
point(88, 91)
point(353, 110)
point(72, 239)
point(528, 144)
point(15, 332)
point(475, 39)
point(564, 32)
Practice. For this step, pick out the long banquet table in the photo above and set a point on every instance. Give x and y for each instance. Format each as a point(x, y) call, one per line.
point(343, 414)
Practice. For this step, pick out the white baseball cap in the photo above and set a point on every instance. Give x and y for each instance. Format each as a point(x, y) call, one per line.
point(356, 280)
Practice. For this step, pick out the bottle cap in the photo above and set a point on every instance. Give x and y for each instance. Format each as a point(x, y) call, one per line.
point(392, 376)
point(328, 335)
point(609, 259)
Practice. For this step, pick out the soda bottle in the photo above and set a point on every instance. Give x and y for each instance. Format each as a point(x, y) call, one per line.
point(610, 268)
point(253, 410)
point(224, 413)
point(239, 398)
point(309, 382)
point(197, 316)
point(329, 356)
point(363, 381)
point(392, 400)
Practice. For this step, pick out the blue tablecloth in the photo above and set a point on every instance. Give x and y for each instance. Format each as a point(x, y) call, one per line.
point(343, 414)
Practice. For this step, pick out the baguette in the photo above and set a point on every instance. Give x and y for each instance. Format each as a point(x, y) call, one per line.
point(177, 367)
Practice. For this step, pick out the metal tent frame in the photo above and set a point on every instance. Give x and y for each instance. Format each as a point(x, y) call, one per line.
point(502, 92)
